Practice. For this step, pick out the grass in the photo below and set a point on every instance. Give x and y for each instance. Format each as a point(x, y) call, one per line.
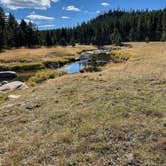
point(41, 54)
point(44, 75)
point(113, 117)
point(36, 59)
point(17, 66)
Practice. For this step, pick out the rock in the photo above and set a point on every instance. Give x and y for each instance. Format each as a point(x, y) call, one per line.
point(4, 82)
point(7, 75)
point(130, 157)
point(16, 85)
point(87, 54)
point(52, 65)
point(10, 97)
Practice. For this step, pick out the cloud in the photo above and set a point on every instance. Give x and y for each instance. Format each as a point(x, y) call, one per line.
point(39, 17)
point(26, 20)
point(105, 4)
point(71, 8)
point(21, 4)
point(65, 17)
point(47, 26)
point(98, 11)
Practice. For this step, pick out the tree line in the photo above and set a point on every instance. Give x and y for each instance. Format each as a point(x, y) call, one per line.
point(112, 27)
point(14, 34)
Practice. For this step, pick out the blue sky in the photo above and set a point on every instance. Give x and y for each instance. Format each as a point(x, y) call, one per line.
point(51, 14)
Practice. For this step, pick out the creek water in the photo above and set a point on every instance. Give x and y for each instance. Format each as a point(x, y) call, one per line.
point(85, 57)
point(75, 67)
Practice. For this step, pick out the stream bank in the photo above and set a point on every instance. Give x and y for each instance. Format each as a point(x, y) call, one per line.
point(50, 69)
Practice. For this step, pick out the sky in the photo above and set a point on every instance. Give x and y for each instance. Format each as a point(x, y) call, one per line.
point(52, 14)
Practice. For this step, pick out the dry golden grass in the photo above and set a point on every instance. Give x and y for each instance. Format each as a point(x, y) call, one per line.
point(113, 117)
point(40, 54)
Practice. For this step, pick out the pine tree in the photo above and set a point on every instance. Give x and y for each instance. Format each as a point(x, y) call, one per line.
point(23, 34)
point(63, 42)
point(48, 39)
point(163, 36)
point(98, 40)
point(116, 38)
point(72, 42)
point(11, 31)
point(2, 29)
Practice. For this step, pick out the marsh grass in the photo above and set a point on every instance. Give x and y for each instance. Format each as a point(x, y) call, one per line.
point(44, 75)
point(41, 54)
point(17, 66)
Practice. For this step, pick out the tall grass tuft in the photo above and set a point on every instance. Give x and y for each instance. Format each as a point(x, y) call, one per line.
point(44, 75)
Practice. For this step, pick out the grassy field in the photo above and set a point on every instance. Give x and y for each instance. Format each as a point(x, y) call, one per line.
point(42, 54)
point(114, 117)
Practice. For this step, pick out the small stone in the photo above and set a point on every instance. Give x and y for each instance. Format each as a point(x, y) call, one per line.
point(130, 157)
point(10, 97)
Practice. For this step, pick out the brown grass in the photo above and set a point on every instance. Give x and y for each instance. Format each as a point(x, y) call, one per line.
point(42, 54)
point(113, 117)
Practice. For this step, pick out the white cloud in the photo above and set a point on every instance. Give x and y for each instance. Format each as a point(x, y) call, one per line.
point(71, 8)
point(26, 20)
point(47, 26)
point(39, 17)
point(65, 17)
point(7, 14)
point(105, 4)
point(20, 4)
point(98, 11)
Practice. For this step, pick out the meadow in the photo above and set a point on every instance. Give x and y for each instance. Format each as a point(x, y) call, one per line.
point(113, 117)
point(28, 62)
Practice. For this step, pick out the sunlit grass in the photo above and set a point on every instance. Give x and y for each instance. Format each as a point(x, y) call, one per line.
point(113, 117)
point(44, 75)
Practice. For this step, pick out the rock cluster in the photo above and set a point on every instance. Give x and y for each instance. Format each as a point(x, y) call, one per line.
point(6, 86)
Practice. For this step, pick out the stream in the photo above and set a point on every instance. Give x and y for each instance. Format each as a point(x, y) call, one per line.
point(85, 57)
point(75, 67)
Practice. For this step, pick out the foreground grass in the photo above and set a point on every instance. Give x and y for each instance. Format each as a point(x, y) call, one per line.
point(114, 117)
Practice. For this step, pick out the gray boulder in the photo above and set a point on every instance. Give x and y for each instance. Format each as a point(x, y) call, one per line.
point(7, 75)
point(16, 85)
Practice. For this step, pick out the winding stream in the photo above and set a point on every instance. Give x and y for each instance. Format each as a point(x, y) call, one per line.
point(85, 57)
point(75, 67)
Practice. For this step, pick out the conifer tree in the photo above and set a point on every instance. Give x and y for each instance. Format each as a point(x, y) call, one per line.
point(2, 29)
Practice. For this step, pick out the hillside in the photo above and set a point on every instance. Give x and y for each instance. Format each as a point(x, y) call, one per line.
point(113, 117)
point(114, 27)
